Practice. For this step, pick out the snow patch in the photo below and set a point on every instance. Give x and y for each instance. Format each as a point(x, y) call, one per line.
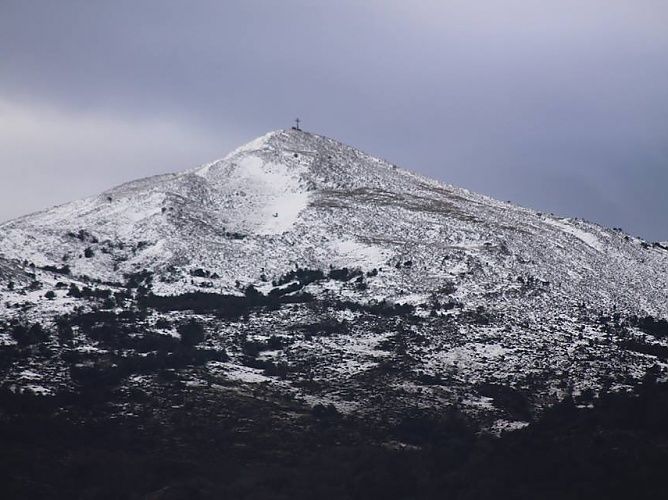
point(500, 426)
point(275, 194)
point(366, 255)
point(583, 236)
point(242, 373)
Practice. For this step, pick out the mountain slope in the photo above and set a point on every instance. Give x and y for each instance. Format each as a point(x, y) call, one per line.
point(502, 310)
point(293, 198)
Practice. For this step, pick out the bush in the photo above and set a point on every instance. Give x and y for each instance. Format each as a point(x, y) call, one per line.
point(252, 348)
point(655, 327)
point(322, 412)
point(58, 270)
point(223, 306)
point(508, 399)
point(303, 276)
point(108, 333)
point(163, 324)
point(192, 333)
point(344, 274)
point(25, 335)
point(252, 293)
point(199, 273)
point(272, 369)
point(275, 342)
point(108, 303)
point(325, 328)
point(134, 280)
point(65, 332)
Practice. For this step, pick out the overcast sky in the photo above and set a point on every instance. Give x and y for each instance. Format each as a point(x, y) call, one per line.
point(560, 105)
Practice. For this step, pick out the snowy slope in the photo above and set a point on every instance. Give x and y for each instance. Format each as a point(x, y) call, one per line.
point(293, 198)
point(504, 295)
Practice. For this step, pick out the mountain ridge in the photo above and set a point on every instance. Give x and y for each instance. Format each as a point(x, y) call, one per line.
point(288, 187)
point(318, 271)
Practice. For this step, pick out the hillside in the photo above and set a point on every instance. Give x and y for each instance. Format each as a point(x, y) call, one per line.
point(292, 198)
point(317, 271)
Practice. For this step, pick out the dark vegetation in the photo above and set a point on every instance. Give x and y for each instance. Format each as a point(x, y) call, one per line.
point(203, 273)
point(616, 326)
point(512, 401)
point(300, 277)
point(303, 276)
point(288, 289)
point(650, 325)
point(107, 438)
point(234, 235)
point(218, 445)
point(192, 333)
point(324, 328)
point(58, 270)
point(221, 305)
point(381, 308)
point(28, 334)
point(83, 236)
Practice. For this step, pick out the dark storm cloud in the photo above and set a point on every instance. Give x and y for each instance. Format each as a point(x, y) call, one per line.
point(560, 105)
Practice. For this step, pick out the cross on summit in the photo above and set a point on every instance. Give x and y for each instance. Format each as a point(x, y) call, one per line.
point(297, 122)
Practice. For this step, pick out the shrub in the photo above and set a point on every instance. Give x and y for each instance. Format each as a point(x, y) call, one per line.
point(58, 270)
point(252, 348)
point(303, 276)
point(252, 293)
point(108, 303)
point(65, 333)
point(74, 291)
point(275, 342)
point(134, 280)
point(163, 324)
point(655, 327)
point(199, 273)
point(322, 412)
point(512, 401)
point(192, 333)
point(344, 274)
point(325, 328)
point(25, 335)
point(272, 369)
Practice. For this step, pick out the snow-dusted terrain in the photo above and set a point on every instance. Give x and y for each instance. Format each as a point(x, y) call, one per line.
point(503, 295)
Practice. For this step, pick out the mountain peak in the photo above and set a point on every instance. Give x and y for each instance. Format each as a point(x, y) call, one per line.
point(352, 262)
point(292, 197)
point(257, 143)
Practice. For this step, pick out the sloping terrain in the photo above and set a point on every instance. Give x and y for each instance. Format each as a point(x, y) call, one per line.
point(292, 198)
point(317, 272)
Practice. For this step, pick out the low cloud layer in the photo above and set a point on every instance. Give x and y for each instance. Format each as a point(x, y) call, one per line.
point(559, 105)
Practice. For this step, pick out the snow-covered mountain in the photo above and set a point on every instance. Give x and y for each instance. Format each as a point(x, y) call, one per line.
point(504, 294)
point(293, 198)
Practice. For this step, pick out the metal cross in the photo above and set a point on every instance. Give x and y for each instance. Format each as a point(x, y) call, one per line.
point(297, 122)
